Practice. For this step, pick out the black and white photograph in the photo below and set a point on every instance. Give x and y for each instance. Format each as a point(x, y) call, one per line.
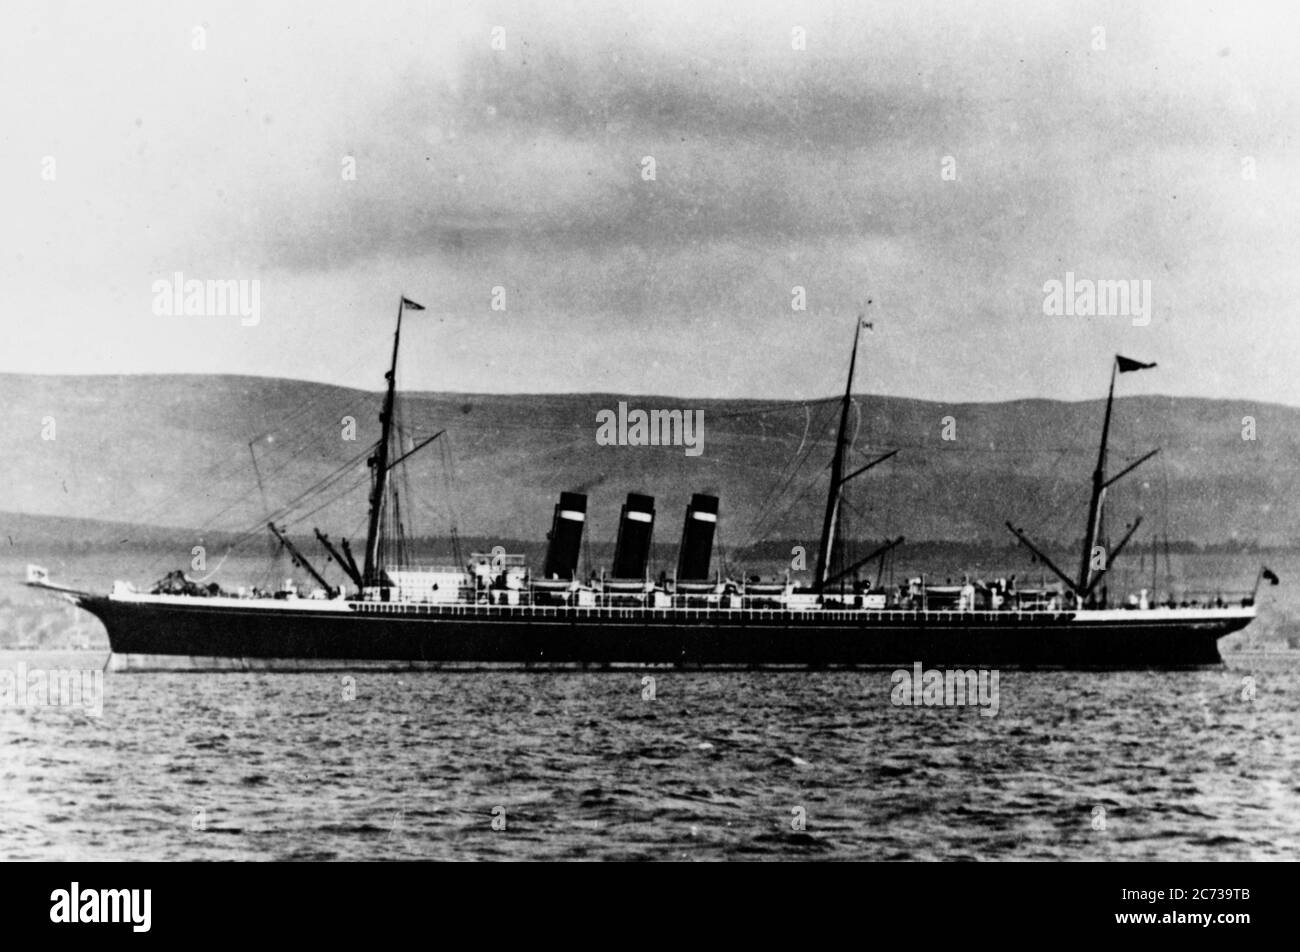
point(709, 431)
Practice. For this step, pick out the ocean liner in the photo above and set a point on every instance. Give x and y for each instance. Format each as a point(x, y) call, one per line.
point(496, 610)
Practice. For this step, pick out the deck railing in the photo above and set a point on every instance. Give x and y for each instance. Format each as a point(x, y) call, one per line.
point(711, 614)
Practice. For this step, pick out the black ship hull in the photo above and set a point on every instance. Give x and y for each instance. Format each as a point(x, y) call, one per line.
point(481, 635)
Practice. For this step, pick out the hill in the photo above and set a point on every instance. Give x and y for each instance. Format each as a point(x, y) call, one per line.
point(190, 452)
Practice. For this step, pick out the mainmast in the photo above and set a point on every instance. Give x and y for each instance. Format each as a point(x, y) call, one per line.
point(379, 462)
point(835, 495)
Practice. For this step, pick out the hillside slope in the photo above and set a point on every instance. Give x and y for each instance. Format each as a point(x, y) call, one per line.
point(175, 451)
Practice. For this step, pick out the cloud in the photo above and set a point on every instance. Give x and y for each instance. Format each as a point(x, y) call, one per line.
point(522, 168)
point(543, 143)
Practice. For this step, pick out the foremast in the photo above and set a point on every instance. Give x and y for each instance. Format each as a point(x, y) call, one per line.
point(372, 570)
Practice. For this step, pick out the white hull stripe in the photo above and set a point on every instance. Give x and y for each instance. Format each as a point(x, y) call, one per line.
point(640, 517)
point(572, 514)
point(706, 516)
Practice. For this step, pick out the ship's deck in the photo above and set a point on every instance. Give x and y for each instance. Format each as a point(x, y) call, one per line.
point(943, 617)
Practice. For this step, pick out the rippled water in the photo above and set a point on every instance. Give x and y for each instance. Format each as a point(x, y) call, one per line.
point(1125, 765)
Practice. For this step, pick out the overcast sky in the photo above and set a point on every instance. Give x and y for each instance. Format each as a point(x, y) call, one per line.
point(774, 167)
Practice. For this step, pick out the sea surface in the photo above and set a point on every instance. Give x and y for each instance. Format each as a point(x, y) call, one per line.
point(1188, 765)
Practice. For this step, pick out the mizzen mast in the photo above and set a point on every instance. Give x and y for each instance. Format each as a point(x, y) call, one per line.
point(1097, 500)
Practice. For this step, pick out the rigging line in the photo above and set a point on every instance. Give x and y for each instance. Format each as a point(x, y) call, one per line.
point(223, 470)
point(551, 463)
point(1075, 445)
point(487, 431)
point(324, 481)
point(1164, 487)
point(405, 525)
point(285, 511)
point(975, 450)
point(794, 502)
point(287, 508)
point(295, 516)
point(807, 423)
point(1168, 580)
point(294, 447)
point(808, 448)
point(1054, 530)
point(772, 408)
point(292, 422)
point(794, 464)
point(759, 522)
point(207, 524)
point(1050, 503)
point(768, 516)
point(292, 432)
point(577, 434)
point(287, 523)
point(171, 501)
point(449, 492)
point(358, 409)
point(855, 510)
